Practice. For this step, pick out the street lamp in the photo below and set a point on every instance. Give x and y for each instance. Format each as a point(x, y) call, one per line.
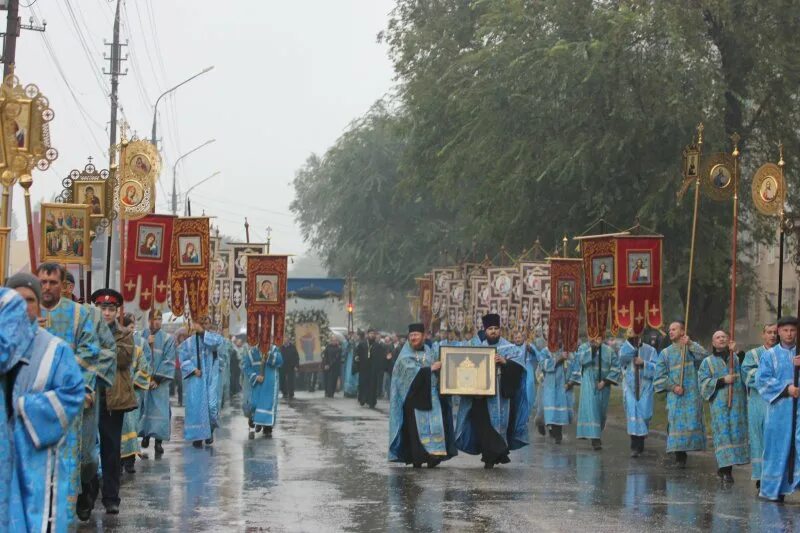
point(174, 170)
point(155, 107)
point(186, 211)
point(269, 237)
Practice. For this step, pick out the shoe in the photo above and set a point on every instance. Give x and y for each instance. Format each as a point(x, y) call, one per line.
point(251, 435)
point(129, 467)
point(268, 432)
point(417, 465)
point(729, 478)
point(758, 484)
point(488, 466)
point(250, 423)
point(542, 430)
point(84, 514)
point(197, 444)
point(258, 429)
point(210, 441)
point(597, 445)
point(159, 448)
point(434, 463)
point(112, 508)
point(145, 442)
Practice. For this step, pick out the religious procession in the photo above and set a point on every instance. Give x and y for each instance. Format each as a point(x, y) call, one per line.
point(399, 266)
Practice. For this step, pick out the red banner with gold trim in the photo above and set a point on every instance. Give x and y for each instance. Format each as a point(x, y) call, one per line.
point(147, 260)
point(266, 300)
point(189, 266)
point(599, 268)
point(565, 300)
point(639, 282)
point(425, 289)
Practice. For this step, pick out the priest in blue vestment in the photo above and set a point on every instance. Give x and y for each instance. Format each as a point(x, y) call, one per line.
point(493, 426)
point(160, 351)
point(200, 372)
point(557, 409)
point(599, 370)
point(756, 406)
point(776, 381)
point(420, 421)
point(48, 394)
point(635, 357)
point(14, 334)
point(262, 373)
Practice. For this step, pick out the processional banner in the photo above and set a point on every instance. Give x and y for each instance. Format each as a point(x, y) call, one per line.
point(189, 266)
point(425, 288)
point(599, 267)
point(147, 260)
point(266, 297)
point(534, 312)
point(639, 282)
point(238, 291)
point(565, 298)
point(503, 282)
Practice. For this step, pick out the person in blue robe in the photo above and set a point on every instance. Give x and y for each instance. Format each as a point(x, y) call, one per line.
point(728, 423)
point(200, 372)
point(635, 355)
point(76, 325)
point(556, 395)
point(420, 421)
point(247, 390)
point(493, 426)
point(160, 351)
point(530, 370)
point(775, 380)
point(536, 348)
point(140, 374)
point(47, 395)
point(756, 406)
point(262, 373)
point(224, 354)
point(14, 334)
point(599, 370)
point(686, 431)
point(350, 371)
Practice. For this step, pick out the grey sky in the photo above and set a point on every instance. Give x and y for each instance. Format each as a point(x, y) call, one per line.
point(289, 77)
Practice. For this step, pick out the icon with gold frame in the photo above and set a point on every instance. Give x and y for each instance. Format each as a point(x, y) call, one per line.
point(65, 233)
point(718, 176)
point(468, 370)
point(769, 189)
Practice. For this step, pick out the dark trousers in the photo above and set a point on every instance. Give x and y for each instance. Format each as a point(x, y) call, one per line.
point(110, 425)
point(289, 376)
point(331, 377)
point(637, 443)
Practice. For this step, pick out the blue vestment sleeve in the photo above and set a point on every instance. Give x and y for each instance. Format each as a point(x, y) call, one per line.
point(750, 369)
point(707, 380)
point(769, 380)
point(212, 339)
point(15, 328)
point(188, 355)
point(275, 359)
point(166, 369)
point(662, 381)
point(46, 415)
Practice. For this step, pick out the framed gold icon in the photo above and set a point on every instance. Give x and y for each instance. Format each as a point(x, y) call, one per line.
point(468, 370)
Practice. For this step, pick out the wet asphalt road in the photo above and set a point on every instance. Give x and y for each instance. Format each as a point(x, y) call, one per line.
point(325, 470)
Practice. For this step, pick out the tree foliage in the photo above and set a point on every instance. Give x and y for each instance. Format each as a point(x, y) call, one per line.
point(518, 119)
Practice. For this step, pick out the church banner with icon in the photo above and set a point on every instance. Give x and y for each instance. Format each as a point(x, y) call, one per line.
point(139, 165)
point(599, 267)
point(534, 312)
point(639, 282)
point(266, 297)
point(425, 288)
point(147, 260)
point(189, 266)
point(238, 271)
point(502, 283)
point(565, 298)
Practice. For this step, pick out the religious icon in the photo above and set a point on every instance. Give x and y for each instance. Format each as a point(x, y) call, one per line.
point(436, 305)
point(720, 176)
point(768, 189)
point(19, 115)
point(92, 194)
point(494, 307)
point(468, 370)
point(457, 292)
point(131, 193)
point(566, 294)
point(189, 250)
point(65, 233)
point(691, 165)
point(240, 260)
point(267, 288)
point(504, 314)
point(502, 284)
point(221, 261)
point(140, 165)
point(149, 244)
point(442, 277)
point(602, 271)
point(460, 320)
point(639, 268)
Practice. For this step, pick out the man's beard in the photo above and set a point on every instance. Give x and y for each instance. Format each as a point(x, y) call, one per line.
point(418, 346)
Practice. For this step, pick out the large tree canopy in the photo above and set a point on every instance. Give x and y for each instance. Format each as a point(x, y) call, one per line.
point(518, 119)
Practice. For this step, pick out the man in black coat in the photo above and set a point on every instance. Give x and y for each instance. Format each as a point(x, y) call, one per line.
point(371, 356)
point(291, 363)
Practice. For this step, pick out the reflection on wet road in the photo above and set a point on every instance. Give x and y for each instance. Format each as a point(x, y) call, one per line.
point(325, 470)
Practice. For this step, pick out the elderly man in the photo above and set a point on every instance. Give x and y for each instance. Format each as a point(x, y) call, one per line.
point(200, 369)
point(493, 426)
point(776, 380)
point(728, 422)
point(684, 403)
point(47, 395)
point(756, 406)
point(420, 421)
point(160, 350)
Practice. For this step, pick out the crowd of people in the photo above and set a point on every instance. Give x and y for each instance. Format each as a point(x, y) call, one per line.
point(752, 399)
point(85, 391)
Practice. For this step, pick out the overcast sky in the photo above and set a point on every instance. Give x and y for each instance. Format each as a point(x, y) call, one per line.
point(289, 77)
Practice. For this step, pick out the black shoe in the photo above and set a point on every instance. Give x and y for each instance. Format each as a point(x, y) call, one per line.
point(129, 467)
point(758, 484)
point(729, 478)
point(159, 448)
point(417, 465)
point(210, 441)
point(433, 463)
point(258, 429)
point(268, 432)
point(488, 466)
point(84, 514)
point(197, 444)
point(680, 459)
point(145, 442)
point(251, 435)
point(542, 430)
point(597, 445)
point(112, 508)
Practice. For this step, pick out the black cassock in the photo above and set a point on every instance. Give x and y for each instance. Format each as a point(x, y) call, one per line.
point(419, 397)
point(332, 358)
point(371, 363)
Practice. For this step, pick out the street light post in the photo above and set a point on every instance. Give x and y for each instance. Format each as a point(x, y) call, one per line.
point(162, 95)
point(186, 211)
point(174, 172)
point(269, 238)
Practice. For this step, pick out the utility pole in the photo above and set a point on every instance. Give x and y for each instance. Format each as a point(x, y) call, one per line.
point(10, 40)
point(115, 62)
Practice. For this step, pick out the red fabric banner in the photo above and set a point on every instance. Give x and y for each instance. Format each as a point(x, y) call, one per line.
point(266, 297)
point(639, 282)
point(565, 300)
point(189, 266)
point(425, 287)
point(147, 259)
point(599, 267)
